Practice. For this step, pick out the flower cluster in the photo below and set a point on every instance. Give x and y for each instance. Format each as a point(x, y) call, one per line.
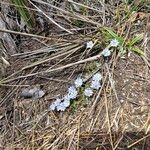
point(63, 103)
point(88, 92)
point(113, 43)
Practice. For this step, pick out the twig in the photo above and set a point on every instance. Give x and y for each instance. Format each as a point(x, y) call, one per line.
point(138, 141)
point(30, 35)
point(50, 18)
point(85, 6)
point(108, 120)
point(98, 96)
point(78, 16)
point(55, 69)
point(112, 84)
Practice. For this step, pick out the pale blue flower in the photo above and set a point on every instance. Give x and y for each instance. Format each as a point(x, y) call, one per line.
point(61, 107)
point(88, 92)
point(66, 97)
point(72, 92)
point(114, 43)
point(97, 77)
point(66, 103)
point(57, 102)
point(89, 45)
point(95, 85)
point(106, 52)
point(78, 82)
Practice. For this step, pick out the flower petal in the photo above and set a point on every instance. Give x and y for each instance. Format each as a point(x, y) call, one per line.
point(57, 102)
point(72, 92)
point(78, 82)
point(95, 85)
point(88, 92)
point(97, 77)
point(106, 52)
point(89, 44)
point(66, 103)
point(114, 43)
point(60, 107)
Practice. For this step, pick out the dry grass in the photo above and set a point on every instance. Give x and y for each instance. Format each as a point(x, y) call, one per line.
point(117, 116)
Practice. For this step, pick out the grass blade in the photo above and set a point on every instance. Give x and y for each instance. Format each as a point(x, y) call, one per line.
point(24, 12)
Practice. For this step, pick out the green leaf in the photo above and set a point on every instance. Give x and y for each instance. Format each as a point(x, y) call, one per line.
point(137, 50)
point(113, 34)
point(138, 38)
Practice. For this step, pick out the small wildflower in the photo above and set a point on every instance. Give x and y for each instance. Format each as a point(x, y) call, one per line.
point(95, 85)
point(57, 102)
point(114, 43)
point(89, 44)
point(66, 97)
point(97, 77)
point(88, 92)
point(66, 103)
point(78, 82)
point(72, 92)
point(60, 107)
point(106, 52)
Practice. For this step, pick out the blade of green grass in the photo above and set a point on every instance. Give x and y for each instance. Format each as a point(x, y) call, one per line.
point(112, 34)
point(24, 12)
point(137, 50)
point(138, 38)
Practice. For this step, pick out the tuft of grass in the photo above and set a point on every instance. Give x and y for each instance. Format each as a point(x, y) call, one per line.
point(132, 44)
point(110, 34)
point(124, 45)
point(24, 12)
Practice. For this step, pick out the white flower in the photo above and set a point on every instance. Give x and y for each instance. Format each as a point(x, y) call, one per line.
point(57, 102)
point(66, 97)
point(114, 43)
point(106, 52)
point(60, 107)
point(97, 77)
point(95, 85)
point(72, 92)
point(89, 44)
point(52, 106)
point(66, 103)
point(88, 92)
point(78, 82)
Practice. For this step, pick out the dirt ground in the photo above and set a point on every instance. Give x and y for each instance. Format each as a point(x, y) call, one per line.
point(21, 119)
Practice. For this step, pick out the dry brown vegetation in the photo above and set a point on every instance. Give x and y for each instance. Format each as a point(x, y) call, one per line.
point(52, 53)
